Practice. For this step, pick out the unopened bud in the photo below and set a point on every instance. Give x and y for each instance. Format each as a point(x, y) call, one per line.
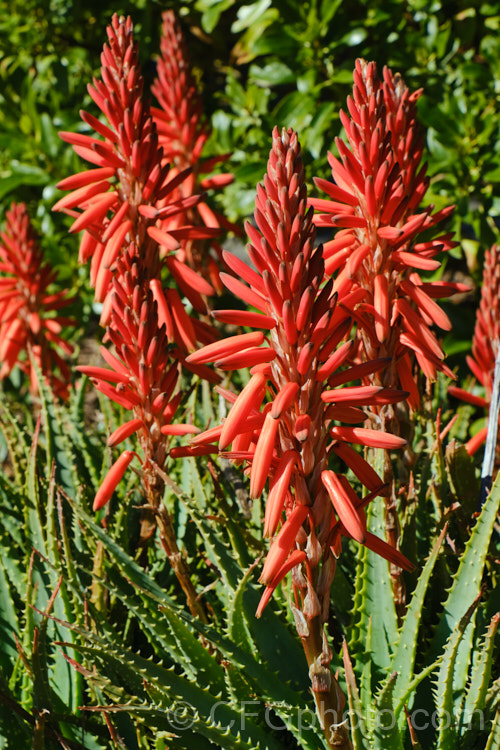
point(313, 549)
point(301, 537)
point(321, 677)
point(311, 607)
point(300, 622)
point(298, 578)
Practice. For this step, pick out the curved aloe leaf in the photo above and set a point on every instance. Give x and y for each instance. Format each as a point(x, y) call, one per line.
point(374, 599)
point(494, 738)
point(444, 694)
point(475, 696)
point(386, 733)
point(359, 732)
point(467, 581)
point(403, 660)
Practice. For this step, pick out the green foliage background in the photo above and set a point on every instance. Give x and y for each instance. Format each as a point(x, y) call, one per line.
point(286, 63)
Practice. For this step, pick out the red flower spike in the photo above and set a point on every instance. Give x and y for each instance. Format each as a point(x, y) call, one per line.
point(281, 547)
point(379, 186)
point(218, 349)
point(296, 558)
point(284, 399)
point(130, 198)
point(246, 358)
point(365, 436)
point(278, 491)
point(485, 342)
point(27, 320)
point(263, 455)
point(385, 550)
point(344, 508)
point(244, 318)
point(288, 440)
point(361, 468)
point(182, 133)
point(124, 431)
point(142, 377)
point(179, 429)
point(353, 396)
point(469, 398)
point(473, 445)
point(248, 400)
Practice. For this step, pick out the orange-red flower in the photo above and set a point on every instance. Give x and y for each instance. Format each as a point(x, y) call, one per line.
point(282, 424)
point(373, 201)
point(29, 322)
point(485, 342)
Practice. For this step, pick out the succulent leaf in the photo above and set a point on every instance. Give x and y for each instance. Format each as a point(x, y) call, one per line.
point(386, 733)
point(359, 733)
point(403, 661)
point(467, 581)
point(444, 695)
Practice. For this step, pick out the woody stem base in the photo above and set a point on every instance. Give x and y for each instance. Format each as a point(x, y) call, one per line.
point(328, 697)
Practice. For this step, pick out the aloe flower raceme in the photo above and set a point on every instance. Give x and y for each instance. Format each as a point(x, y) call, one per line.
point(30, 324)
point(144, 374)
point(294, 437)
point(379, 252)
point(143, 377)
point(374, 201)
point(485, 342)
point(131, 192)
point(182, 128)
point(183, 132)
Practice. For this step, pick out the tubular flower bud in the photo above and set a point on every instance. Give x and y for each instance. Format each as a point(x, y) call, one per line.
point(111, 480)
